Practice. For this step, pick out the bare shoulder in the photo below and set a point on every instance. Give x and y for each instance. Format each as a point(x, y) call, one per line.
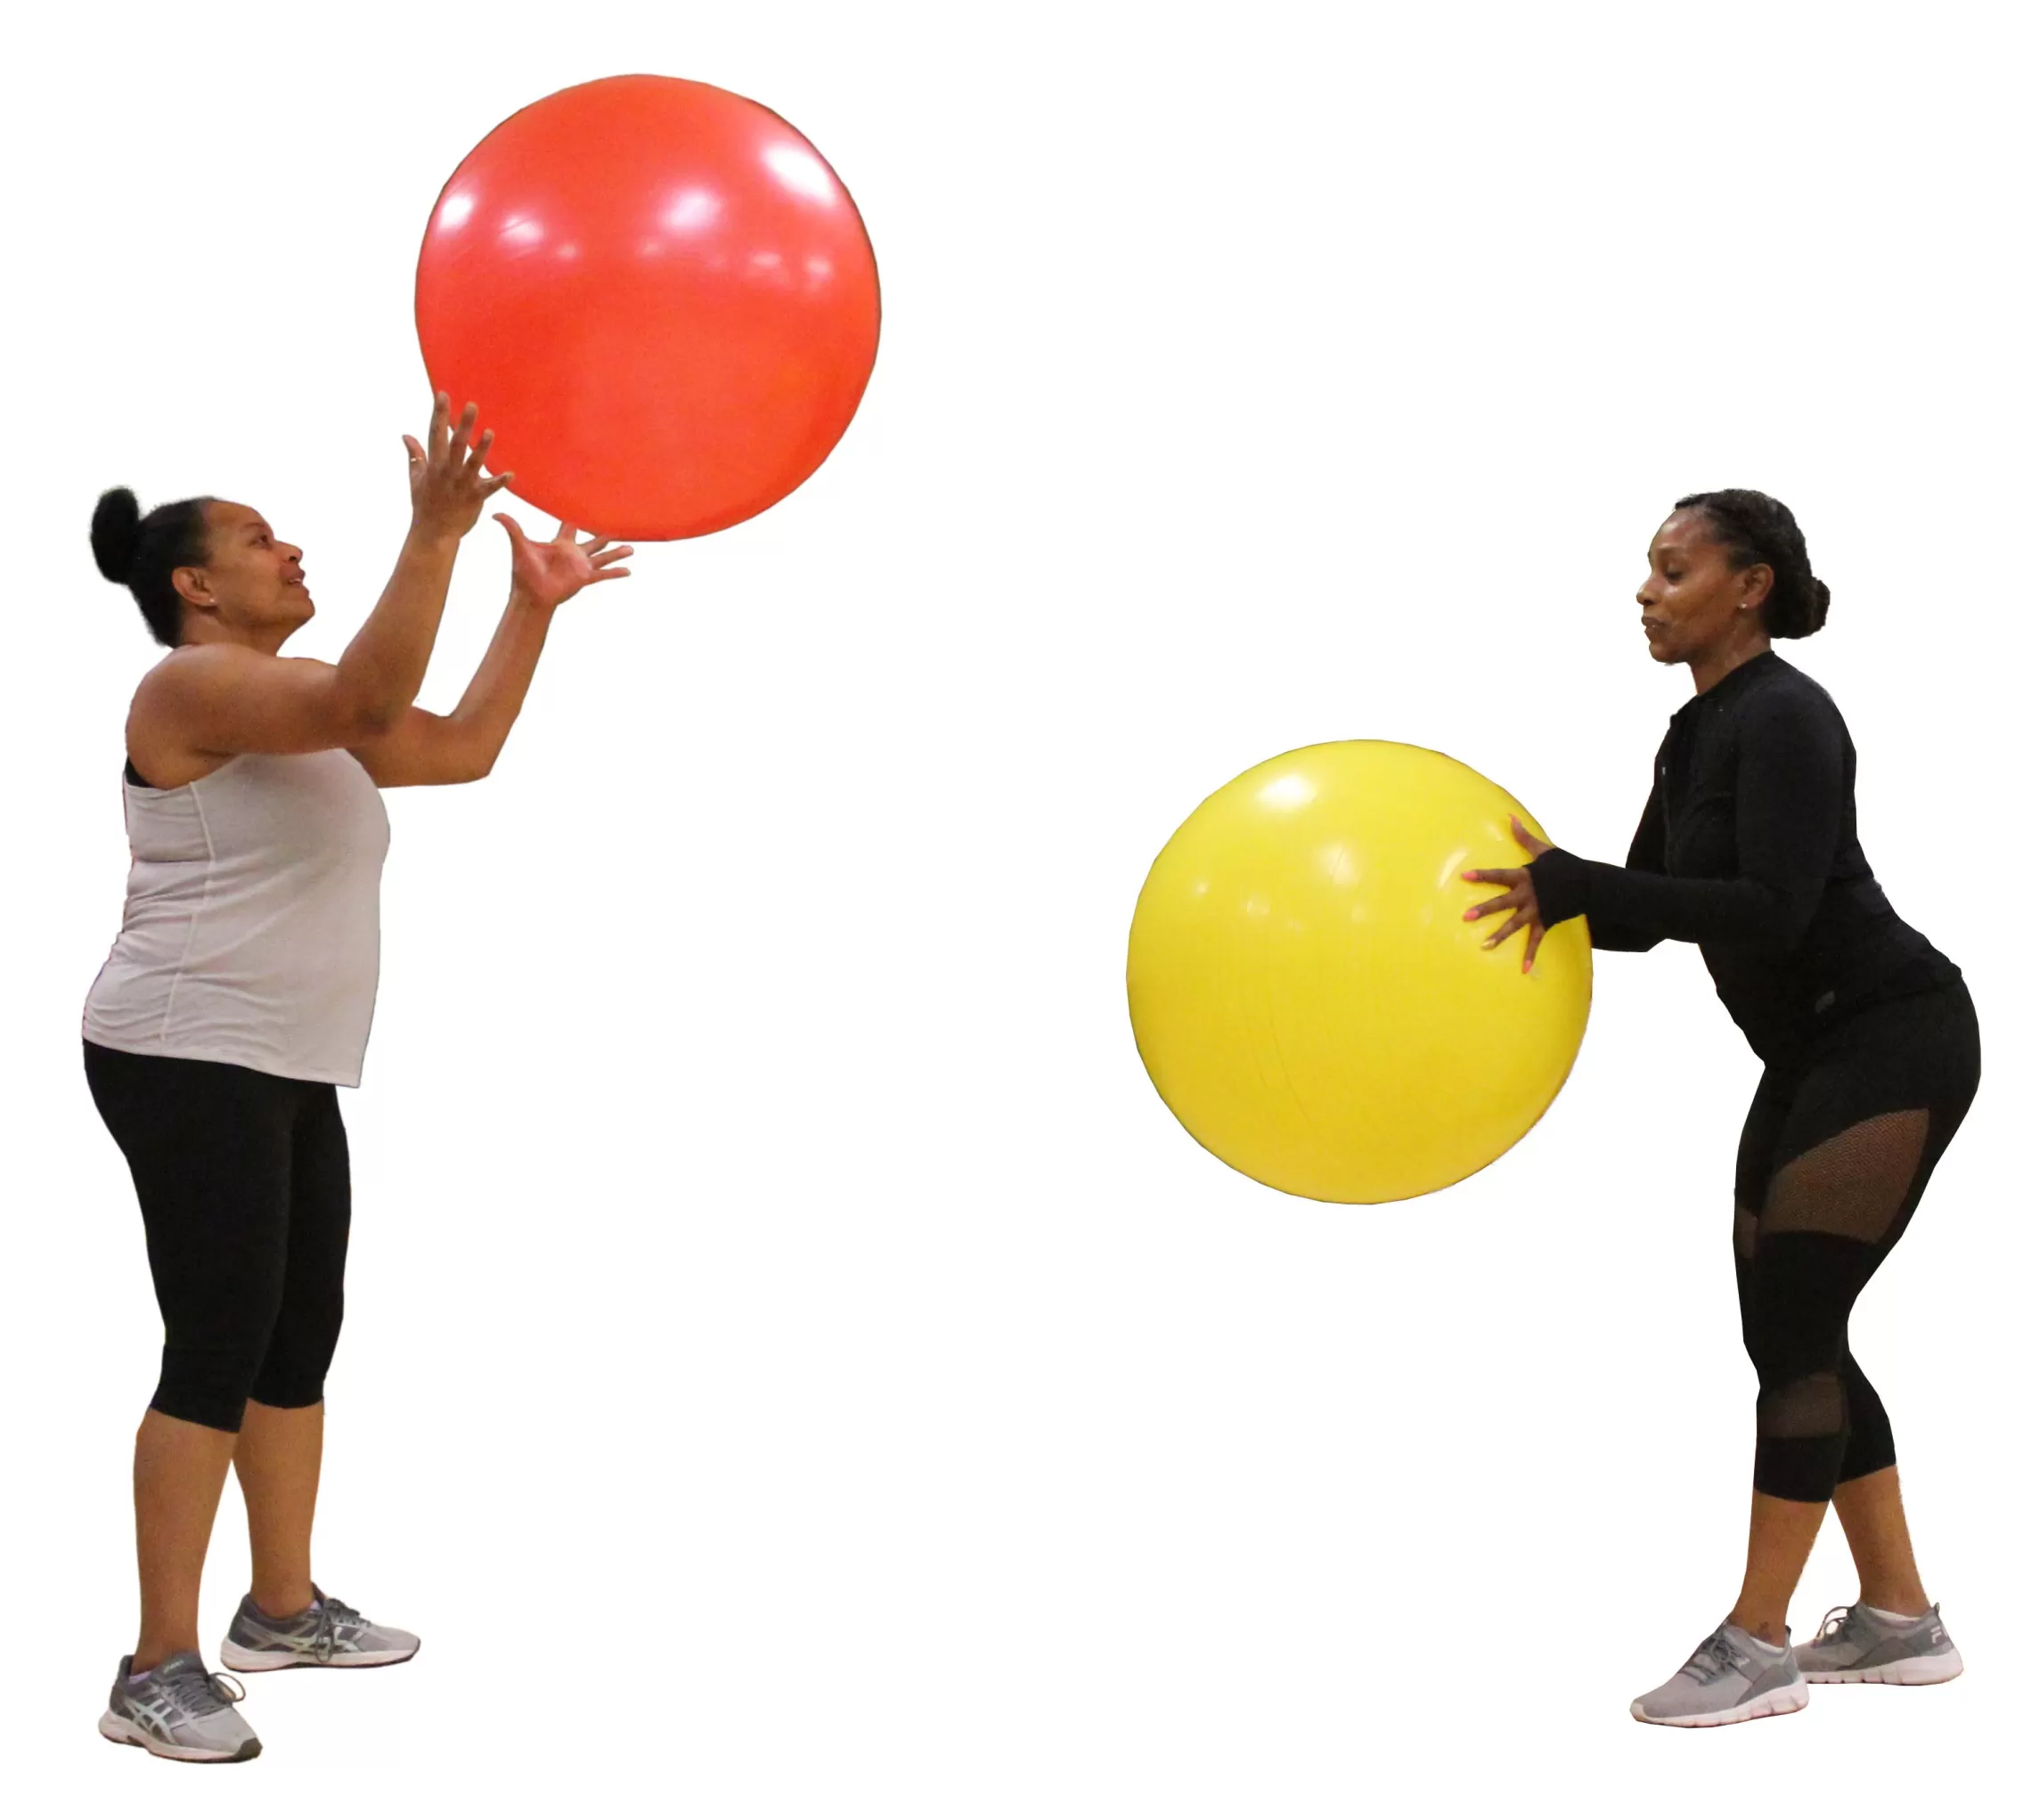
point(202, 705)
point(193, 669)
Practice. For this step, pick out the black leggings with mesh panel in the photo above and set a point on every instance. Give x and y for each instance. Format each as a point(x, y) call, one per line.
point(1838, 1146)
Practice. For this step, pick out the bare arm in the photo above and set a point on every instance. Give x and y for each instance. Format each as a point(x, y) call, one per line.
point(461, 747)
point(219, 699)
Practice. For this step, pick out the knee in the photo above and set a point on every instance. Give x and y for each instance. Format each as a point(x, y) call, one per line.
point(292, 1371)
point(1794, 1408)
point(1794, 1313)
point(206, 1384)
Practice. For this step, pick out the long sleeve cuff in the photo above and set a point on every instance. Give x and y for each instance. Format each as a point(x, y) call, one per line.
point(1561, 882)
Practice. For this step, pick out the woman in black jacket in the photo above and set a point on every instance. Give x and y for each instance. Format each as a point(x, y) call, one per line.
point(1871, 1052)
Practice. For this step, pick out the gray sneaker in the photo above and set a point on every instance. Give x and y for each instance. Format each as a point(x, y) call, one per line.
point(179, 1710)
point(1855, 1643)
point(326, 1634)
point(1730, 1677)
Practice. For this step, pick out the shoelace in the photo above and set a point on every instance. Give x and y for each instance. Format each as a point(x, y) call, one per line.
point(1721, 1657)
point(200, 1691)
point(1834, 1623)
point(331, 1614)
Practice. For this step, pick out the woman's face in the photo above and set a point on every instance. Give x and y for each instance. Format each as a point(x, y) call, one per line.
point(251, 583)
point(1692, 600)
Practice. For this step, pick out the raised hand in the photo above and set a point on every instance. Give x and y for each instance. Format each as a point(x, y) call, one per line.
point(1519, 897)
point(447, 485)
point(548, 574)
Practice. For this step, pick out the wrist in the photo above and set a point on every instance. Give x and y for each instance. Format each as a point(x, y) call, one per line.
point(1559, 883)
point(428, 537)
point(520, 600)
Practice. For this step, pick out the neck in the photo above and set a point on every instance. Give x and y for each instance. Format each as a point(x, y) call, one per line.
point(1708, 667)
point(269, 640)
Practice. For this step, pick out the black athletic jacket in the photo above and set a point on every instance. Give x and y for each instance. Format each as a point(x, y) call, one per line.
point(1748, 847)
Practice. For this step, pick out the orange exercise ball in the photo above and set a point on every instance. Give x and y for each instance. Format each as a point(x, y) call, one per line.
point(661, 297)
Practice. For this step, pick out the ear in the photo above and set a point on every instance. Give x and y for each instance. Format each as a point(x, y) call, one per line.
point(194, 588)
point(1756, 580)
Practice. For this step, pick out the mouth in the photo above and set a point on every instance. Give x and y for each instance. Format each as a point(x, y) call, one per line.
point(1652, 627)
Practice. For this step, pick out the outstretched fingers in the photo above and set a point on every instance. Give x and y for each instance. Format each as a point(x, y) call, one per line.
point(1519, 921)
point(1514, 898)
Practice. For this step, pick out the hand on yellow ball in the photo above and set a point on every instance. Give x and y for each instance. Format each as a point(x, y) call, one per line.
point(1519, 897)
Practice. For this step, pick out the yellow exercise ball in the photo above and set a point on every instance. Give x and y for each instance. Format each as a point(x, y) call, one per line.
point(1308, 997)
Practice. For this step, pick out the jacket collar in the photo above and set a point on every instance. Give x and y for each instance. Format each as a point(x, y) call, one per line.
point(1734, 682)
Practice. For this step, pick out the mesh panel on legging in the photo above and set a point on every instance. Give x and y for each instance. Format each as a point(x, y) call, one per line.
point(1830, 1216)
point(1847, 1125)
point(1853, 1186)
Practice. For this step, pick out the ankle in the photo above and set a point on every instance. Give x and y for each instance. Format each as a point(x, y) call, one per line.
point(284, 1600)
point(1908, 1601)
point(147, 1655)
point(1763, 1630)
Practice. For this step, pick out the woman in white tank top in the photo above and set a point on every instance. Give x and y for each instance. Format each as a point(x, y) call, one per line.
point(240, 993)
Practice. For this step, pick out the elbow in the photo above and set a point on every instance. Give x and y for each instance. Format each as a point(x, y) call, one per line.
point(479, 752)
point(472, 761)
point(373, 720)
point(369, 705)
point(369, 715)
point(1785, 932)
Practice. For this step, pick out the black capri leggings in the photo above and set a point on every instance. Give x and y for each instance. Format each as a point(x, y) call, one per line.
point(1840, 1144)
point(246, 1194)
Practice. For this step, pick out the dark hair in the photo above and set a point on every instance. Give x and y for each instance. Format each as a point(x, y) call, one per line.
point(142, 554)
point(1752, 527)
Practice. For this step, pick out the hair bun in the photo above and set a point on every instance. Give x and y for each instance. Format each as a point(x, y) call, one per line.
point(116, 532)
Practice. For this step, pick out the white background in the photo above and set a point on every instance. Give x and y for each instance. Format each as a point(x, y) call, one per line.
point(795, 1364)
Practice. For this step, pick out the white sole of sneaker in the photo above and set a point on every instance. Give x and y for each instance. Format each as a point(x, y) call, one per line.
point(1913, 1672)
point(123, 1731)
point(260, 1661)
point(1771, 1705)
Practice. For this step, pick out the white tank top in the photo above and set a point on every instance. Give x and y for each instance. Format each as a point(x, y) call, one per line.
point(252, 931)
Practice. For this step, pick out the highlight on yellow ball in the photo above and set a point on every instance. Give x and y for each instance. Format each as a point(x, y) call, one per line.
point(1310, 1000)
